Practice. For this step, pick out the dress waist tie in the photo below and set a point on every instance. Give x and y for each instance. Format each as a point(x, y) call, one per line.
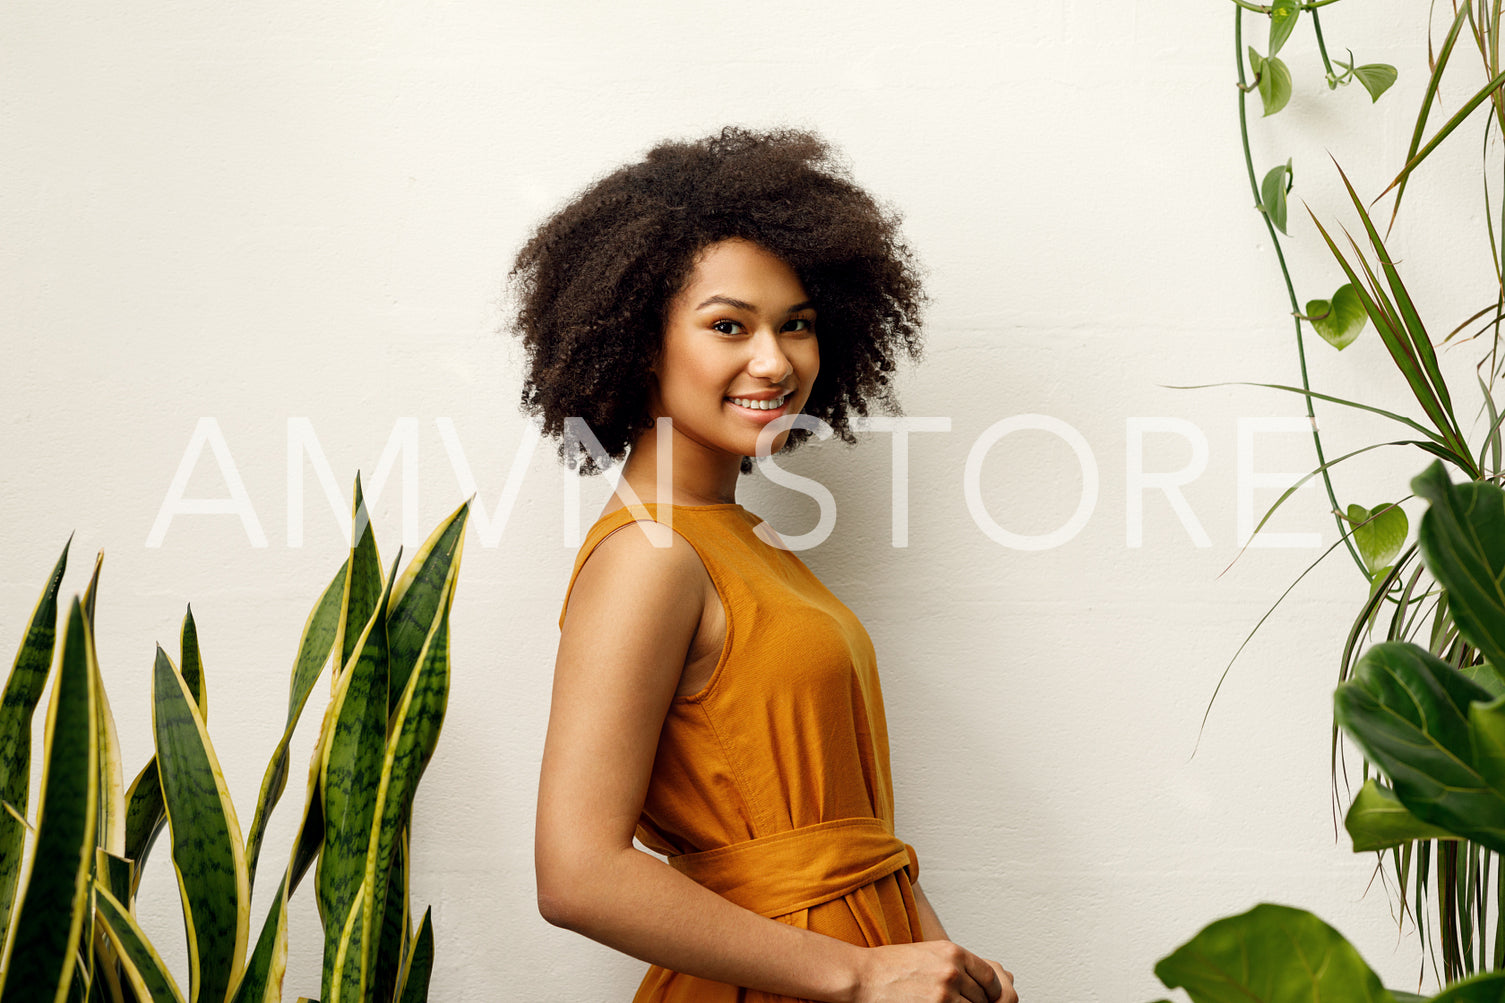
point(788, 871)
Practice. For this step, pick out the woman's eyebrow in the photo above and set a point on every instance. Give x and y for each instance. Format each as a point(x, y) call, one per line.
point(743, 305)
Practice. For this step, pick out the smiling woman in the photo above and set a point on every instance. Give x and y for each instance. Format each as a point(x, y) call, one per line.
point(712, 699)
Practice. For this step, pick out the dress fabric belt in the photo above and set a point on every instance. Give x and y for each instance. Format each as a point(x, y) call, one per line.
point(789, 871)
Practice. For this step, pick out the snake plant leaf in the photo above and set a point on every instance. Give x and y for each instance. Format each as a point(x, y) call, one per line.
point(1283, 15)
point(314, 646)
point(363, 583)
point(1379, 533)
point(207, 851)
point(1409, 711)
point(191, 664)
point(23, 690)
point(1271, 954)
point(1377, 78)
point(1272, 195)
point(41, 955)
point(345, 985)
point(419, 964)
point(145, 813)
point(1462, 538)
point(1340, 320)
point(143, 967)
point(1377, 821)
point(392, 944)
point(414, 605)
point(350, 774)
point(414, 728)
point(1274, 81)
point(261, 982)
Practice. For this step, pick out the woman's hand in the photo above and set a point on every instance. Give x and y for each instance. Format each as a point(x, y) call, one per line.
point(935, 971)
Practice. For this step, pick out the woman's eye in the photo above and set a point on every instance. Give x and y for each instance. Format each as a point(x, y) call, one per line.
point(726, 326)
point(799, 324)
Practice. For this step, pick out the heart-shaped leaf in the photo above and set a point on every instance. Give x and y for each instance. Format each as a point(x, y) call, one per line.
point(1340, 319)
point(1271, 954)
point(1272, 194)
point(1376, 78)
point(1274, 81)
point(1283, 14)
point(1379, 533)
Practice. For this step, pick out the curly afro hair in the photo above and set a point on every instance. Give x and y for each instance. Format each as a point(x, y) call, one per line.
point(595, 280)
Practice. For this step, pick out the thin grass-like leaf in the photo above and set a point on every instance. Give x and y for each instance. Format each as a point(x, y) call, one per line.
point(1433, 82)
point(1409, 423)
point(41, 955)
point(23, 690)
point(207, 851)
point(1482, 95)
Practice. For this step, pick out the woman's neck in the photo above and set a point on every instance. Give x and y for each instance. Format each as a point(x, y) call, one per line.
point(674, 469)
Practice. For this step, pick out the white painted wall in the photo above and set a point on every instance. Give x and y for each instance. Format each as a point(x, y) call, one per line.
point(263, 212)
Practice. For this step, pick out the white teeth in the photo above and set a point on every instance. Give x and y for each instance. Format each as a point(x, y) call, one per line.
point(757, 405)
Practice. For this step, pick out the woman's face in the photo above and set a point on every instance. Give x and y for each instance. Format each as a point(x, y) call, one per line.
point(739, 349)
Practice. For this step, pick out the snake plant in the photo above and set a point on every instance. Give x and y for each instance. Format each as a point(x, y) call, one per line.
point(67, 906)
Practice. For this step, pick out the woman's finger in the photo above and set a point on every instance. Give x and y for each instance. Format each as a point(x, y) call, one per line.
point(1007, 994)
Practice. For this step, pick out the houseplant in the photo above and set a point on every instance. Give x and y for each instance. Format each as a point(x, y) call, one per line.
point(72, 932)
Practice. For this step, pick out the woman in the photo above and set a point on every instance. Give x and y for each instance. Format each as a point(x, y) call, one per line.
point(711, 697)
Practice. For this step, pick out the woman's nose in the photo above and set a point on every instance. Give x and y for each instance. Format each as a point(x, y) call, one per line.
point(768, 360)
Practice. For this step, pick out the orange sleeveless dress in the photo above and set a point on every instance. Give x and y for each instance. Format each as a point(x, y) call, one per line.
point(771, 785)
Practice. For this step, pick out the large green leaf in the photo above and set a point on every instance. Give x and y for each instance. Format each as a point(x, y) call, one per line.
point(143, 967)
point(1409, 711)
point(351, 759)
point(1271, 954)
point(414, 605)
point(207, 851)
point(23, 689)
point(41, 954)
point(319, 631)
point(1462, 538)
point(1486, 988)
point(1377, 821)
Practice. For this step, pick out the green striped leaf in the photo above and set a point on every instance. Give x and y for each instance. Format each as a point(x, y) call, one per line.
point(262, 979)
point(419, 964)
point(207, 852)
point(386, 966)
point(41, 955)
point(145, 814)
point(414, 606)
point(350, 774)
point(23, 689)
point(142, 966)
point(346, 986)
point(363, 585)
point(319, 632)
point(415, 728)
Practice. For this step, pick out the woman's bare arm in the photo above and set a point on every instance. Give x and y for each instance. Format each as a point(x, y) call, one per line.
point(632, 617)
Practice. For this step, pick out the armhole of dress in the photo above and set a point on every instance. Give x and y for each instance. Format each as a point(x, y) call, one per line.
point(716, 583)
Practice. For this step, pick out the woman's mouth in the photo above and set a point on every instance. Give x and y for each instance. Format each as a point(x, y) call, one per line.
point(771, 404)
